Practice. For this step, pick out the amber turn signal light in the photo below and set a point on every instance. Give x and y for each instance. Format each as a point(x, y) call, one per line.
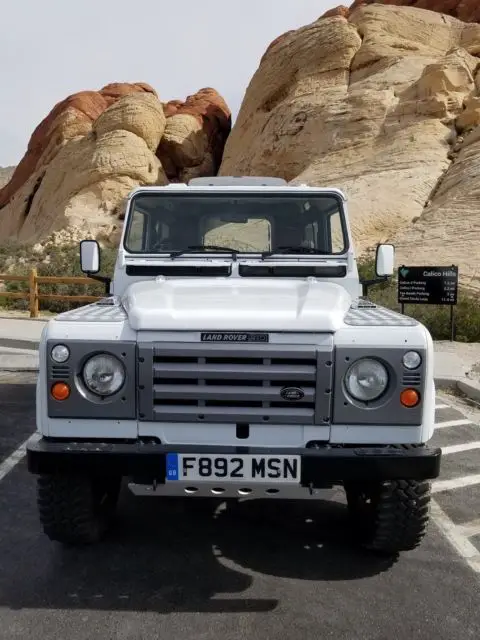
point(60, 391)
point(409, 398)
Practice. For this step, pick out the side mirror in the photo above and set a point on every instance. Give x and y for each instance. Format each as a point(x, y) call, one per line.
point(385, 260)
point(89, 256)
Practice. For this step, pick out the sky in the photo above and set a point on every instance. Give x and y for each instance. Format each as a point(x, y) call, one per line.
point(50, 49)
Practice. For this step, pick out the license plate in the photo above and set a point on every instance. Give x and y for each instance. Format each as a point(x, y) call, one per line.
point(233, 468)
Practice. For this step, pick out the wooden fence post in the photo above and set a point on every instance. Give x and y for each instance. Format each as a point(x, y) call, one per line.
point(33, 286)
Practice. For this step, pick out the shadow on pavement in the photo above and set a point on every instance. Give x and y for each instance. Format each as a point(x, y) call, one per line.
point(17, 412)
point(172, 556)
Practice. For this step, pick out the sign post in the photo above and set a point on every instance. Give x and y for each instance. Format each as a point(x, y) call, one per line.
point(429, 285)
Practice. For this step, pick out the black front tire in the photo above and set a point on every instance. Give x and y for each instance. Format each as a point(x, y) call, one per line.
point(390, 516)
point(76, 510)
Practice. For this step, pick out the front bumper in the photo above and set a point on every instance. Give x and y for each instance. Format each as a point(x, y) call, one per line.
point(319, 466)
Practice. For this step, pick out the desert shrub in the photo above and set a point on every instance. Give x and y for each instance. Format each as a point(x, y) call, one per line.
point(435, 318)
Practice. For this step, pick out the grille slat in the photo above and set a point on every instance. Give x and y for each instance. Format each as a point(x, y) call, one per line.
point(243, 351)
point(222, 371)
point(232, 393)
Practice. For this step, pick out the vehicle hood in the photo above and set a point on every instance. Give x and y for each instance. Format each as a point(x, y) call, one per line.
point(236, 304)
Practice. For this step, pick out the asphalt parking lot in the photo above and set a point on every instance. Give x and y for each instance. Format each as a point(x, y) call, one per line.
point(253, 571)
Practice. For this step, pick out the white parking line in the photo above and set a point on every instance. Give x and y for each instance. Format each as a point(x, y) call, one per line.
point(470, 529)
point(452, 423)
point(455, 483)
point(454, 535)
point(442, 406)
point(10, 463)
point(458, 448)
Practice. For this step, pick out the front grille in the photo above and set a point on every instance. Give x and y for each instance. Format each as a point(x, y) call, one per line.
point(229, 383)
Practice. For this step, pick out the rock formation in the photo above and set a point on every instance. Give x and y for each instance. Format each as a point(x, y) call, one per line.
point(383, 102)
point(94, 147)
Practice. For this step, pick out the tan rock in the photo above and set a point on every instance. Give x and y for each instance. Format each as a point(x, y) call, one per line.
point(85, 181)
point(206, 168)
point(470, 117)
point(184, 141)
point(139, 113)
point(291, 102)
point(368, 104)
point(442, 87)
point(448, 230)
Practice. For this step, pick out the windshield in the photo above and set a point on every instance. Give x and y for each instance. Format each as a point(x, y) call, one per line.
point(243, 222)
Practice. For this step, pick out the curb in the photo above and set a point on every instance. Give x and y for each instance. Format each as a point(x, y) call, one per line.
point(446, 384)
point(470, 388)
point(467, 387)
point(19, 343)
point(26, 318)
point(18, 370)
point(17, 355)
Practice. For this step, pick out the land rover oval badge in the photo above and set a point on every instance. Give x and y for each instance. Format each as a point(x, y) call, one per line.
point(292, 393)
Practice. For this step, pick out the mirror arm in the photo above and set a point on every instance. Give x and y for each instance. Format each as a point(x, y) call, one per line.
point(369, 283)
point(105, 279)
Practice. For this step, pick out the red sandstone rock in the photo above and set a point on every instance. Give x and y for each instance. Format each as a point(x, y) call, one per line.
point(170, 108)
point(115, 90)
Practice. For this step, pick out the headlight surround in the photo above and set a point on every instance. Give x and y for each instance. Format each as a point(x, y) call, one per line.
point(411, 360)
point(366, 380)
point(60, 353)
point(103, 374)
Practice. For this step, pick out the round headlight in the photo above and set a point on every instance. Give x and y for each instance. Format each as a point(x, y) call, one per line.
point(60, 353)
point(411, 360)
point(103, 375)
point(366, 379)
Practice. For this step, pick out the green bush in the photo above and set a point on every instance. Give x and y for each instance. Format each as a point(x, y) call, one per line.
point(435, 318)
point(64, 261)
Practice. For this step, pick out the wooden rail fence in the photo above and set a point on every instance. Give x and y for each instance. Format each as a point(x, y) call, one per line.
point(33, 294)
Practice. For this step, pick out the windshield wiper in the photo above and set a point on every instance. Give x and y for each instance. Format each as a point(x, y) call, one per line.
point(281, 250)
point(207, 248)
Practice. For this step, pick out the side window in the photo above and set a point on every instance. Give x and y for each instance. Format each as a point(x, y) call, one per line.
point(136, 236)
point(336, 233)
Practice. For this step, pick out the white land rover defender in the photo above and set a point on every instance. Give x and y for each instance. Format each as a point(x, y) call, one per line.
point(236, 357)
